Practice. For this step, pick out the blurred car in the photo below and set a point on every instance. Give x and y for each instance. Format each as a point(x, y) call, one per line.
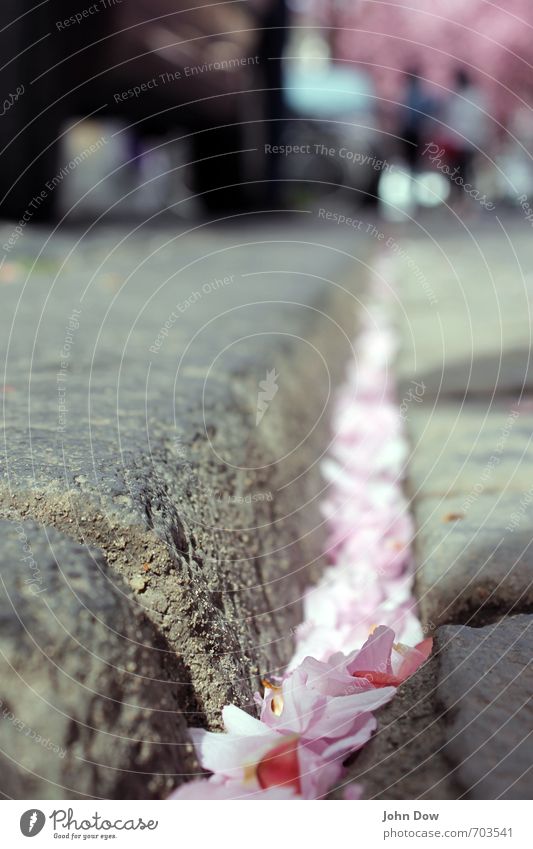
point(335, 117)
point(156, 64)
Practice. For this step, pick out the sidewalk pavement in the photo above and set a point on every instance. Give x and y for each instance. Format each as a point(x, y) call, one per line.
point(167, 400)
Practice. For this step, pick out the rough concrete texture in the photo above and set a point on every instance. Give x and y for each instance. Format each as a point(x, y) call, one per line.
point(89, 702)
point(132, 426)
point(461, 727)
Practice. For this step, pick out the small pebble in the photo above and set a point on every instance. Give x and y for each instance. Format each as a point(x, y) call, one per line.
point(138, 583)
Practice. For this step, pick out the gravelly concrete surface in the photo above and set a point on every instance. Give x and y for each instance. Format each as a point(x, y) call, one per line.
point(132, 426)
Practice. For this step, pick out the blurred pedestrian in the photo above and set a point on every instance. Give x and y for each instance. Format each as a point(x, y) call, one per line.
point(464, 128)
point(417, 112)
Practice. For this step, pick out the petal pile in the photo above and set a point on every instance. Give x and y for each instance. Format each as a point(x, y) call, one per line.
point(321, 710)
point(371, 576)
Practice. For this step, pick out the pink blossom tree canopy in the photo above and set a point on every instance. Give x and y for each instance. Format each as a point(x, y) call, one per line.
point(492, 40)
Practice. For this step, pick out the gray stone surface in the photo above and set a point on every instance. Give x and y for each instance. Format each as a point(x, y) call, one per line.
point(465, 298)
point(209, 518)
point(469, 476)
point(474, 560)
point(505, 372)
point(461, 727)
point(469, 449)
point(485, 686)
point(89, 700)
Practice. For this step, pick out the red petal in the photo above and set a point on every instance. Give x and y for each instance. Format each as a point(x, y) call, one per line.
point(425, 647)
point(415, 658)
point(379, 679)
point(280, 766)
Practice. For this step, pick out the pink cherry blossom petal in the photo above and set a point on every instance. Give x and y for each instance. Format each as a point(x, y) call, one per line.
point(350, 652)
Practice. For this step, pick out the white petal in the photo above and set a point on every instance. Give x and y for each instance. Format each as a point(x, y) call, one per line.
point(237, 721)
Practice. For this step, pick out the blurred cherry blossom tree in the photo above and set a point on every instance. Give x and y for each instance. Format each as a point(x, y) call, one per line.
point(492, 39)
